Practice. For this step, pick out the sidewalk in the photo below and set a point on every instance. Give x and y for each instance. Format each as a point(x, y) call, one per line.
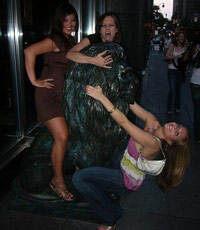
point(149, 208)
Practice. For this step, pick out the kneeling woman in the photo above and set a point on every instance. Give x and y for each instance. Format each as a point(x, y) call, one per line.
point(139, 158)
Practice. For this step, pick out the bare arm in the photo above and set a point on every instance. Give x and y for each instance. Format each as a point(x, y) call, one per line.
point(168, 55)
point(31, 53)
point(139, 135)
point(75, 55)
point(150, 120)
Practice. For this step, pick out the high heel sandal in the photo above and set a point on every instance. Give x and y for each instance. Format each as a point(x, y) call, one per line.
point(62, 193)
point(104, 227)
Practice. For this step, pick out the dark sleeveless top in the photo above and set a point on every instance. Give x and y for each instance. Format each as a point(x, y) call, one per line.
point(94, 38)
point(49, 101)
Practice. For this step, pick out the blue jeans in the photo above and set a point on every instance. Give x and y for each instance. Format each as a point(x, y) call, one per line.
point(195, 91)
point(174, 95)
point(95, 184)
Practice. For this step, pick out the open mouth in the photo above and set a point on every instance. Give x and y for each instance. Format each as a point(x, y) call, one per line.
point(68, 28)
point(108, 36)
point(173, 127)
point(170, 127)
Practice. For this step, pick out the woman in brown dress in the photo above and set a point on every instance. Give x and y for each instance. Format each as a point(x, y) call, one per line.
point(48, 92)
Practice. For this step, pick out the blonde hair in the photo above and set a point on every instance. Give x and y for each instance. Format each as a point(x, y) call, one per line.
point(177, 160)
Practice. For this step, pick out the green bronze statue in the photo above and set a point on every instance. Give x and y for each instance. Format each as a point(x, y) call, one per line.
point(93, 134)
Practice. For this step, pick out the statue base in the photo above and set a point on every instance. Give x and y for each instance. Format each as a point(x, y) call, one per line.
point(47, 203)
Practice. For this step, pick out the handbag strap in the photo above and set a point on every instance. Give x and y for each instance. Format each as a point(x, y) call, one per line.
point(160, 144)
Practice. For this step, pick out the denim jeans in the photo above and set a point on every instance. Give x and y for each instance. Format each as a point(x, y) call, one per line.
point(174, 95)
point(95, 184)
point(195, 91)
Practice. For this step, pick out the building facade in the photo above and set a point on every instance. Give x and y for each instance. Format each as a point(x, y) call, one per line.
point(188, 10)
point(178, 9)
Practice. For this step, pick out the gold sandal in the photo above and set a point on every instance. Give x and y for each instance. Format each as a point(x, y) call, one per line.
point(113, 227)
point(62, 193)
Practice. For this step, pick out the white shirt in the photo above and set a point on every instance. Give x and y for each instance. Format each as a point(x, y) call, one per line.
point(195, 79)
point(175, 53)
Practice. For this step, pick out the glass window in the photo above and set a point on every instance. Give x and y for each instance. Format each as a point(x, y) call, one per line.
point(88, 26)
point(8, 119)
point(91, 10)
point(22, 23)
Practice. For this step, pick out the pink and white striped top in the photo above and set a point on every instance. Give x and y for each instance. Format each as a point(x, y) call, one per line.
point(133, 177)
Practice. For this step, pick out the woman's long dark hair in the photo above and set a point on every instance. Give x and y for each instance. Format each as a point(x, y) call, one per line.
point(118, 36)
point(61, 12)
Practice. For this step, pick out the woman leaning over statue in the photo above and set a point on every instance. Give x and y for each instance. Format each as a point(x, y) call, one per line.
point(108, 29)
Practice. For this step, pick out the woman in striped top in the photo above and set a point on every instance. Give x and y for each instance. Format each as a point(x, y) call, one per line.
point(139, 158)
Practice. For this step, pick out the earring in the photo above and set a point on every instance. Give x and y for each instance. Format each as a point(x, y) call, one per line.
point(73, 33)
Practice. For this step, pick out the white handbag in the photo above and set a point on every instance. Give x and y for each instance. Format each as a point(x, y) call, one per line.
point(151, 167)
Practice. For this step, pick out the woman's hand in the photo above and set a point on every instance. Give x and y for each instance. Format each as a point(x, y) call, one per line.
point(94, 92)
point(151, 124)
point(46, 83)
point(101, 61)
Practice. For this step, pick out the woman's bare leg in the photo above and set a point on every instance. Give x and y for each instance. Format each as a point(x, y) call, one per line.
point(58, 129)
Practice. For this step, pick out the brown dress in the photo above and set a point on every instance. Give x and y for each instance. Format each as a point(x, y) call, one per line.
point(49, 101)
